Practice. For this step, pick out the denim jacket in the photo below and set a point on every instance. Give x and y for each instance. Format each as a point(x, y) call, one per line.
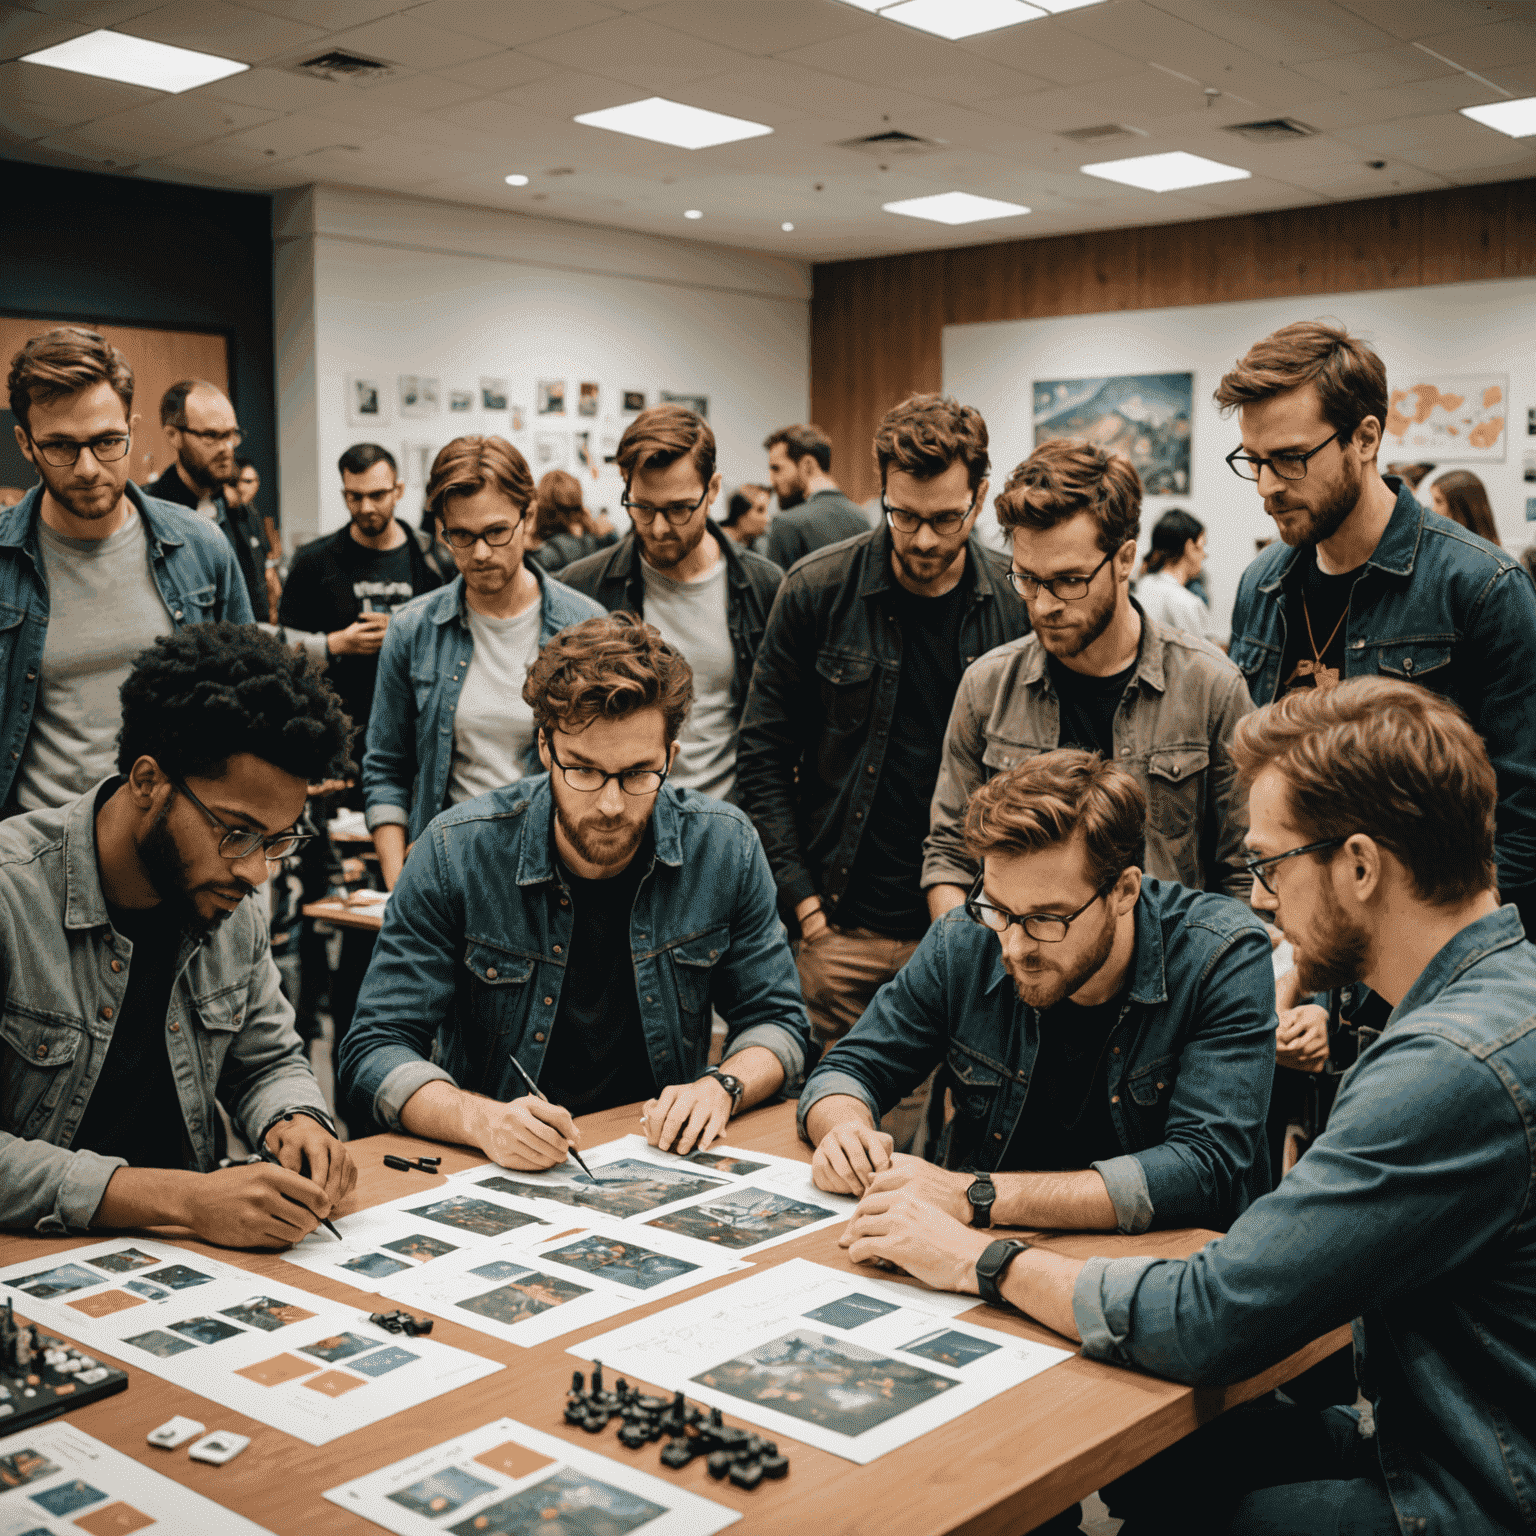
point(427, 650)
point(1191, 1062)
point(229, 1029)
point(192, 564)
point(474, 947)
point(1434, 605)
point(1414, 1214)
point(1173, 730)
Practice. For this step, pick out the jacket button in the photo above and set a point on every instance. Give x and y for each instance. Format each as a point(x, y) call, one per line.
point(650, 999)
point(558, 950)
point(175, 1027)
point(714, 954)
point(565, 901)
point(539, 1036)
point(870, 769)
point(997, 1135)
point(490, 973)
point(106, 1012)
point(549, 1002)
point(1173, 773)
point(238, 1017)
point(177, 614)
point(858, 815)
point(1408, 664)
point(1115, 1099)
point(117, 965)
point(1117, 1050)
point(1125, 751)
point(42, 1050)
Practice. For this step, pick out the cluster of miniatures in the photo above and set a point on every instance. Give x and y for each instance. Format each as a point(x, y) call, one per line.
point(735, 1453)
point(401, 1322)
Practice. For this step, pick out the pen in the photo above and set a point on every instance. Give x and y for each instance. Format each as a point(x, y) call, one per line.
point(268, 1157)
point(533, 1087)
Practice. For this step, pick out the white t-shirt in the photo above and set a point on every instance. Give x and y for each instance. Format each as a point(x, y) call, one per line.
point(691, 616)
point(1167, 600)
point(493, 727)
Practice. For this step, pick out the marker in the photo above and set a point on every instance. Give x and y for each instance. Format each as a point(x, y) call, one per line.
point(533, 1087)
point(267, 1157)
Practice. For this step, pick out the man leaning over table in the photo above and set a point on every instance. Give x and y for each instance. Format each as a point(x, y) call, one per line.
point(587, 920)
point(1372, 824)
point(140, 992)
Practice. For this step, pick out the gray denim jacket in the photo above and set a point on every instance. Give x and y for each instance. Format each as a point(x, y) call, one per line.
point(1172, 730)
point(229, 1030)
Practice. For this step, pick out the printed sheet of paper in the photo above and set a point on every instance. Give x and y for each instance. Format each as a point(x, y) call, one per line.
point(507, 1478)
point(854, 1366)
point(311, 1367)
point(55, 1480)
point(727, 1198)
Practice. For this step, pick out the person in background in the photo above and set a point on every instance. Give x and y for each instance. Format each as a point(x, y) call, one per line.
point(1176, 558)
point(240, 500)
point(200, 425)
point(813, 512)
point(1462, 497)
point(1528, 560)
point(1412, 475)
point(92, 570)
point(676, 569)
point(746, 515)
point(449, 721)
point(563, 528)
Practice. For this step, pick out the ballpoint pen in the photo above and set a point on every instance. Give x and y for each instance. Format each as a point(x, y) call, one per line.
point(269, 1157)
point(533, 1087)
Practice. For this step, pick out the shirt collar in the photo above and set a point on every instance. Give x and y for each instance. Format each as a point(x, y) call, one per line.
point(18, 525)
point(1396, 550)
point(1499, 930)
point(536, 864)
point(84, 904)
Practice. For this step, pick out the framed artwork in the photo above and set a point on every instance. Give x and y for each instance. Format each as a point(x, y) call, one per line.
point(634, 401)
point(551, 397)
point(460, 401)
point(1455, 418)
point(493, 394)
point(367, 401)
point(698, 404)
point(419, 395)
point(1143, 416)
point(586, 402)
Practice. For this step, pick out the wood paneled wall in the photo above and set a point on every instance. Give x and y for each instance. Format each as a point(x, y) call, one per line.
point(876, 324)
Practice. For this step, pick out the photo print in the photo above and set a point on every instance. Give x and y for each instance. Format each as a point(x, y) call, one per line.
point(500, 1269)
point(123, 1261)
point(375, 1265)
point(420, 1247)
point(471, 1215)
point(628, 1263)
point(1143, 416)
point(178, 1277)
point(698, 404)
point(522, 1299)
point(493, 394)
point(951, 1347)
point(367, 401)
point(23, 1467)
point(850, 1311)
point(49, 1283)
point(382, 1361)
point(627, 1188)
point(742, 1218)
point(338, 1347)
point(419, 395)
point(206, 1330)
point(460, 401)
point(737, 1167)
point(161, 1345)
point(551, 450)
point(585, 458)
point(153, 1292)
point(569, 1502)
point(441, 1493)
point(551, 397)
point(634, 401)
point(68, 1497)
point(266, 1313)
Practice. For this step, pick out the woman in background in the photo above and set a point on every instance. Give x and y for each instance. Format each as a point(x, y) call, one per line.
point(563, 528)
point(1176, 558)
point(1462, 497)
point(746, 516)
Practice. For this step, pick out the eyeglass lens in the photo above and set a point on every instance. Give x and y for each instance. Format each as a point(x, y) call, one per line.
point(107, 449)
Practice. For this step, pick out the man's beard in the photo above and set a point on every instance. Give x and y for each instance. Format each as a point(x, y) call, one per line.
point(201, 475)
point(672, 553)
point(1072, 640)
point(792, 498)
point(1337, 950)
point(1327, 519)
point(926, 577)
point(167, 871)
point(614, 854)
point(74, 504)
point(1071, 981)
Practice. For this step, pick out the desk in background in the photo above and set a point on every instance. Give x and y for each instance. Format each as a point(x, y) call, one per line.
point(342, 914)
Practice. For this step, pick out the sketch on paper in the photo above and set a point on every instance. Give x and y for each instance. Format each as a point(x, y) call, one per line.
point(628, 1187)
point(367, 401)
point(1143, 416)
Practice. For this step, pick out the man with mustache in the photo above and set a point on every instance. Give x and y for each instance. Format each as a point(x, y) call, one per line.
point(139, 988)
point(585, 923)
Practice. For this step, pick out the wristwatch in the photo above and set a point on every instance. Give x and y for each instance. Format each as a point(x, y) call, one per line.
point(732, 1085)
point(993, 1265)
point(981, 1193)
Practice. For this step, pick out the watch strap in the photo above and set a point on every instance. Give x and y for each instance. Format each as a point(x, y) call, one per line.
point(981, 1209)
point(993, 1265)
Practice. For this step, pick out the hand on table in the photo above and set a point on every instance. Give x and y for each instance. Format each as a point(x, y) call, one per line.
point(939, 1187)
point(687, 1117)
point(850, 1156)
point(930, 1245)
point(527, 1134)
point(255, 1205)
point(1301, 1041)
point(302, 1141)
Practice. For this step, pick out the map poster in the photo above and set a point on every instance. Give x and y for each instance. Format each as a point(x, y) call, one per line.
point(1143, 416)
point(1457, 419)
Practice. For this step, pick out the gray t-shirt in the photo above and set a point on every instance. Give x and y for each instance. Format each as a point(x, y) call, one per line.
point(493, 727)
point(103, 609)
point(691, 616)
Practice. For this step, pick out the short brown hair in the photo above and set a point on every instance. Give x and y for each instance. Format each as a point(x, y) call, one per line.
point(925, 434)
point(604, 669)
point(470, 464)
point(1466, 502)
point(803, 440)
point(62, 362)
point(1048, 799)
point(558, 499)
point(173, 403)
point(1066, 476)
point(1387, 759)
point(1351, 380)
point(657, 438)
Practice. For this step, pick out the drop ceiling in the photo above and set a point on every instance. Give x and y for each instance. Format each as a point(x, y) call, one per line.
point(480, 89)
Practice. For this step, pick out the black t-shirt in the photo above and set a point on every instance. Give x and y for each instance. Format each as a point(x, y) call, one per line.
point(1066, 1122)
point(1319, 601)
point(1087, 706)
point(596, 1056)
point(885, 889)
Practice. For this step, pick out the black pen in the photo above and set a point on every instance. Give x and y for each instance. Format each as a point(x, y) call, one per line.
point(533, 1087)
point(277, 1162)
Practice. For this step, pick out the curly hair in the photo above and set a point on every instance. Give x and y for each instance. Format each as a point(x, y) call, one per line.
point(604, 669)
point(62, 362)
point(925, 434)
point(657, 438)
point(1066, 476)
point(1350, 379)
point(199, 697)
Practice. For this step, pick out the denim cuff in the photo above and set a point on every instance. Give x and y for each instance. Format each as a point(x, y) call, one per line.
point(784, 1044)
point(827, 1084)
point(1126, 1181)
point(400, 1083)
point(319, 1116)
point(81, 1192)
point(384, 815)
point(1101, 1305)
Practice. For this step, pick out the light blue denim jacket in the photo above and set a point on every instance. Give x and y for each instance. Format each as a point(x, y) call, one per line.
point(1414, 1214)
point(426, 653)
point(193, 566)
point(229, 1030)
point(1191, 1063)
point(478, 930)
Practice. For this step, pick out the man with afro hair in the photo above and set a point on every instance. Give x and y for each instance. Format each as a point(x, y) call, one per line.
point(140, 991)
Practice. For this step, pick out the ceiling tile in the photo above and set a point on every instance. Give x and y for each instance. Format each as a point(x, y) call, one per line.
point(890, 55)
point(173, 122)
point(404, 40)
point(211, 26)
point(568, 92)
point(511, 22)
point(92, 13)
point(26, 32)
point(1342, 182)
point(1503, 44)
point(501, 71)
point(1422, 18)
point(277, 90)
point(1282, 30)
point(336, 14)
point(381, 106)
point(628, 48)
point(763, 26)
point(1052, 52)
point(297, 134)
point(819, 93)
point(62, 97)
point(1372, 71)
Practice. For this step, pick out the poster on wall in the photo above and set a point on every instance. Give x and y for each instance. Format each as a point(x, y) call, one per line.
point(419, 395)
point(698, 404)
point(460, 401)
point(1450, 419)
point(1144, 416)
point(519, 418)
point(586, 404)
point(551, 397)
point(551, 450)
point(367, 402)
point(493, 394)
point(634, 402)
point(416, 462)
point(586, 455)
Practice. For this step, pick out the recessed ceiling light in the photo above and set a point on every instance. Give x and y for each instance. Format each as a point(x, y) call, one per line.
point(671, 122)
point(954, 208)
point(693, 213)
point(1516, 118)
point(516, 181)
point(787, 228)
point(961, 18)
point(1056, 7)
point(136, 61)
point(1166, 173)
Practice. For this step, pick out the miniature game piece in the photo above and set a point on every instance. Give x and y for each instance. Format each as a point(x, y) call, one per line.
point(719, 1464)
point(219, 1447)
point(633, 1436)
point(746, 1474)
point(174, 1432)
point(677, 1453)
point(775, 1466)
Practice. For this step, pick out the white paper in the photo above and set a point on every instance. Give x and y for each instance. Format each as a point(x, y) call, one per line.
point(507, 1477)
point(312, 1367)
point(55, 1475)
point(855, 1366)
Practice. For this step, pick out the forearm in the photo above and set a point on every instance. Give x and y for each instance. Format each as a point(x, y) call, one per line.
point(835, 1109)
point(942, 899)
point(1069, 1202)
point(1040, 1284)
point(440, 1111)
point(760, 1071)
point(146, 1197)
point(389, 844)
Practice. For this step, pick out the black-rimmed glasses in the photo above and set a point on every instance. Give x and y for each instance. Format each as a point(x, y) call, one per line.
point(676, 512)
point(240, 842)
point(497, 537)
point(106, 449)
point(942, 523)
point(1288, 466)
point(588, 781)
point(1065, 589)
point(233, 436)
point(1043, 927)
point(1256, 867)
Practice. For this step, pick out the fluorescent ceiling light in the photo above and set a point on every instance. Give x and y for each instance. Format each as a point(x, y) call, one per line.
point(1166, 173)
point(515, 180)
point(787, 228)
point(961, 18)
point(693, 213)
point(1516, 118)
point(954, 208)
point(670, 122)
point(1056, 7)
point(136, 61)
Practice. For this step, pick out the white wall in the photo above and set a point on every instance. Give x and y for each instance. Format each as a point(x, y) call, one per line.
point(1455, 328)
point(377, 285)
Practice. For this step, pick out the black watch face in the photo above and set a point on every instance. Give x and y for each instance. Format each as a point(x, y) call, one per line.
point(981, 1194)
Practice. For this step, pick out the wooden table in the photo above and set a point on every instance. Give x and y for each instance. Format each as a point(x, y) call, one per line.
point(342, 914)
point(996, 1471)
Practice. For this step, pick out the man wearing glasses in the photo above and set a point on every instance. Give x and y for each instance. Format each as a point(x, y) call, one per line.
point(678, 570)
point(582, 926)
point(141, 995)
point(91, 571)
point(844, 728)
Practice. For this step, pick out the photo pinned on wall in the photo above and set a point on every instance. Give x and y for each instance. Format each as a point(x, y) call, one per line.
point(1530, 509)
point(608, 447)
point(419, 395)
point(367, 401)
point(460, 401)
point(586, 403)
point(1143, 416)
point(551, 450)
point(519, 418)
point(1529, 469)
point(698, 404)
point(1530, 421)
point(634, 402)
point(1450, 419)
point(416, 462)
point(586, 458)
point(551, 397)
point(493, 394)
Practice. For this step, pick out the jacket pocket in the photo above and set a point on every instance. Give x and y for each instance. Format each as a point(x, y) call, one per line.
point(32, 1058)
point(498, 983)
point(1152, 1084)
point(196, 606)
point(1417, 662)
point(220, 1017)
point(1251, 658)
point(1176, 778)
point(1001, 754)
point(693, 964)
point(847, 685)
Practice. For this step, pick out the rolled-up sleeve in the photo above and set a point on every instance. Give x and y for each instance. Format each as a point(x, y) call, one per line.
point(1129, 1193)
point(51, 1189)
point(389, 763)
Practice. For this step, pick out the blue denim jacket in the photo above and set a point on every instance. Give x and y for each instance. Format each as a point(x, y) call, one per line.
point(422, 664)
point(1413, 1214)
point(1191, 1064)
point(1434, 605)
point(475, 941)
point(193, 566)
